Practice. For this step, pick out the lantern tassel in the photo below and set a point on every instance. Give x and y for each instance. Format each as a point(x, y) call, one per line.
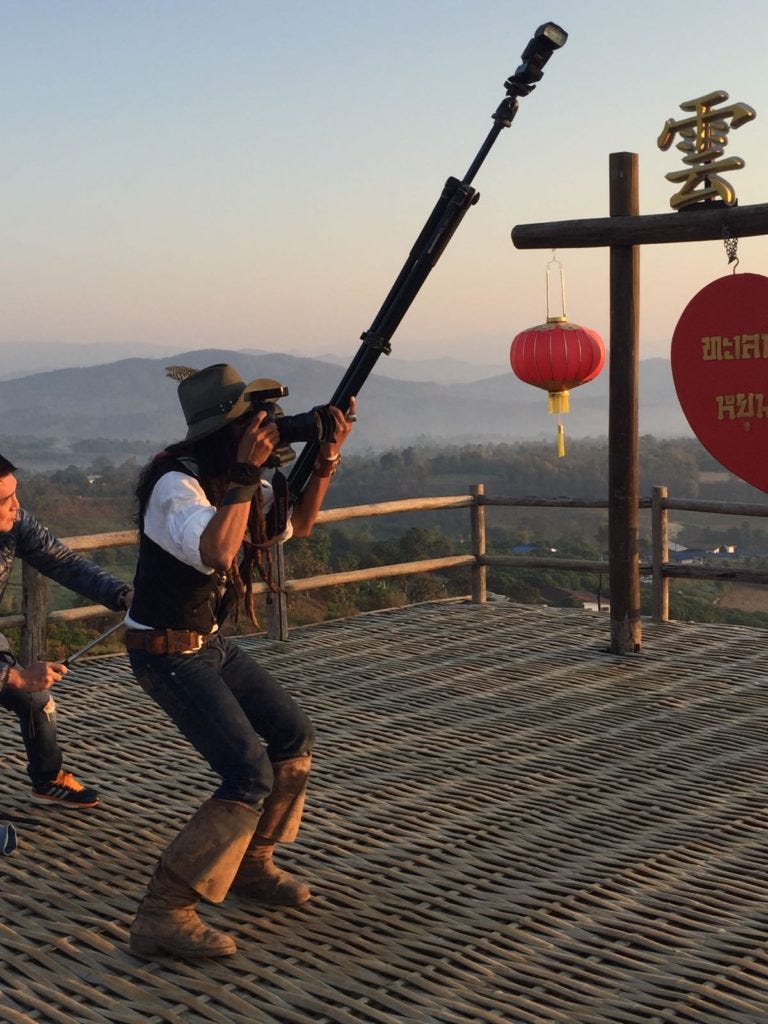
point(560, 440)
point(557, 402)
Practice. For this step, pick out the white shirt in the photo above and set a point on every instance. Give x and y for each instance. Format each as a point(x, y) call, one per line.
point(178, 512)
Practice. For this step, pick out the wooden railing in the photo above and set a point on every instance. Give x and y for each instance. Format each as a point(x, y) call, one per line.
point(35, 615)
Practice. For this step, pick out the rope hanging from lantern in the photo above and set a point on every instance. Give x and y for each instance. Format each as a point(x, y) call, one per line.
point(555, 262)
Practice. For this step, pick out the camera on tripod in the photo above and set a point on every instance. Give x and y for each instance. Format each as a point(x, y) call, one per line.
point(317, 425)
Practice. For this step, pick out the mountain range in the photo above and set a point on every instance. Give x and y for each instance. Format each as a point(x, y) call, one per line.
point(21, 360)
point(133, 399)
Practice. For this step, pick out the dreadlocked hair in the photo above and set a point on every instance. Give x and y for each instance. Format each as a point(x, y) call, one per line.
point(214, 456)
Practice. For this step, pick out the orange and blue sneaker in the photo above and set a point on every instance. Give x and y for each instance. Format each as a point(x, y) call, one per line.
point(66, 791)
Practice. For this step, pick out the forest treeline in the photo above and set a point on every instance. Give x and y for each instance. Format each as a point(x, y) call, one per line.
point(73, 500)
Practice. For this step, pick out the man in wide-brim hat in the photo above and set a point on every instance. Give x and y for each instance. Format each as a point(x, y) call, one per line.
point(207, 521)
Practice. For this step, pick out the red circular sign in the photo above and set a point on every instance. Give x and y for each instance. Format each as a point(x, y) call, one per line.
point(720, 368)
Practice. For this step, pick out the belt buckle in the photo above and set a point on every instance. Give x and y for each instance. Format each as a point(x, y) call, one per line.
point(198, 646)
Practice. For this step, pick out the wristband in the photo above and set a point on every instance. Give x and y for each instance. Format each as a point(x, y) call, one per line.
point(326, 466)
point(4, 673)
point(238, 494)
point(244, 473)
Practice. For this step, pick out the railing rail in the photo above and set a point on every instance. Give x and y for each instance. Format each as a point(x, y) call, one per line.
point(35, 614)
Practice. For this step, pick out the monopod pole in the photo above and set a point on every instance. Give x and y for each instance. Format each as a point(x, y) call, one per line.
point(455, 200)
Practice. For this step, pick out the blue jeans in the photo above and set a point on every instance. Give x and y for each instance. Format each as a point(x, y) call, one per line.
point(37, 722)
point(232, 711)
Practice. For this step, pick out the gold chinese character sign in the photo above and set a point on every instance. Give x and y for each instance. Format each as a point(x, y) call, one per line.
point(704, 136)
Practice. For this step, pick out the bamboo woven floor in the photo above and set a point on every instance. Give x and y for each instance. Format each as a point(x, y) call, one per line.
point(506, 824)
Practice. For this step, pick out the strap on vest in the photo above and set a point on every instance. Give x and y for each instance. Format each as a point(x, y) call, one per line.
point(278, 514)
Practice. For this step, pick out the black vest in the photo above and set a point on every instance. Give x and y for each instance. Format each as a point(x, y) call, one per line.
point(172, 595)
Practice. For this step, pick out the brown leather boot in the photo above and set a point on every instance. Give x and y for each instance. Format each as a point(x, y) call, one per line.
point(258, 877)
point(167, 923)
point(262, 881)
point(200, 863)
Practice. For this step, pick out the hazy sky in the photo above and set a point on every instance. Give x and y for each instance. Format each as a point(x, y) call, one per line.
point(242, 173)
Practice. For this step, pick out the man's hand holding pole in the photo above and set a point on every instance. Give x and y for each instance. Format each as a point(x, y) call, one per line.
point(39, 676)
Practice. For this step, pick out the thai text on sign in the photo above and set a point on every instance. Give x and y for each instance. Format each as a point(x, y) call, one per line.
point(740, 346)
point(741, 406)
point(719, 361)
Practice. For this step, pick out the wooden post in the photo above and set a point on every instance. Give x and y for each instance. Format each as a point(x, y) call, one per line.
point(277, 604)
point(623, 475)
point(34, 605)
point(660, 554)
point(479, 571)
point(623, 231)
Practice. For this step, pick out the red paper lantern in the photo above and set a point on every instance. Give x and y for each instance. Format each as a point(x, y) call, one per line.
point(557, 356)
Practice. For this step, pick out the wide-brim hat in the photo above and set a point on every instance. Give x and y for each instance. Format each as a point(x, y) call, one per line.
point(211, 398)
point(215, 396)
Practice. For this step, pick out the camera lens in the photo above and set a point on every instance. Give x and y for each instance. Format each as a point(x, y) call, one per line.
point(297, 429)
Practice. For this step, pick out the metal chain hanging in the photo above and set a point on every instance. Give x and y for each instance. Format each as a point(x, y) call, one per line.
point(731, 244)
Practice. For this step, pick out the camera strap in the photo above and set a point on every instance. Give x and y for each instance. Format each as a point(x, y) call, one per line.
point(278, 514)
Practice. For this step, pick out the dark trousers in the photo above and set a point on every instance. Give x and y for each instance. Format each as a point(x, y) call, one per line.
point(232, 711)
point(37, 722)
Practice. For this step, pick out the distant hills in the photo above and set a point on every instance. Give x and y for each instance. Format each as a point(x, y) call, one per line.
point(19, 360)
point(133, 399)
point(445, 370)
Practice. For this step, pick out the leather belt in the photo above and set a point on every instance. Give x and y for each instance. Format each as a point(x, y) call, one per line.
point(165, 641)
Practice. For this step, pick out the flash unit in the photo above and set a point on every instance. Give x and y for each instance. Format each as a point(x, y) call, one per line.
point(546, 39)
point(556, 35)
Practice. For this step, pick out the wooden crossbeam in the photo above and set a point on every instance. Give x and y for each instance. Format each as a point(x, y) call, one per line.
point(688, 225)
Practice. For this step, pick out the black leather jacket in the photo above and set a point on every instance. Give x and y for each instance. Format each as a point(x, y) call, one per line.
point(31, 541)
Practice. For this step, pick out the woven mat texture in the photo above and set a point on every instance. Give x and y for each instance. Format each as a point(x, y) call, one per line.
point(506, 824)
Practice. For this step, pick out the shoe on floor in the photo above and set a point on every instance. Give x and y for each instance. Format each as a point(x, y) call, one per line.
point(68, 792)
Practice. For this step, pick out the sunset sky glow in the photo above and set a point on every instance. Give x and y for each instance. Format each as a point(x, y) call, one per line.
point(238, 173)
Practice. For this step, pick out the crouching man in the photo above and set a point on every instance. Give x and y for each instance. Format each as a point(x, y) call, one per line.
point(208, 520)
